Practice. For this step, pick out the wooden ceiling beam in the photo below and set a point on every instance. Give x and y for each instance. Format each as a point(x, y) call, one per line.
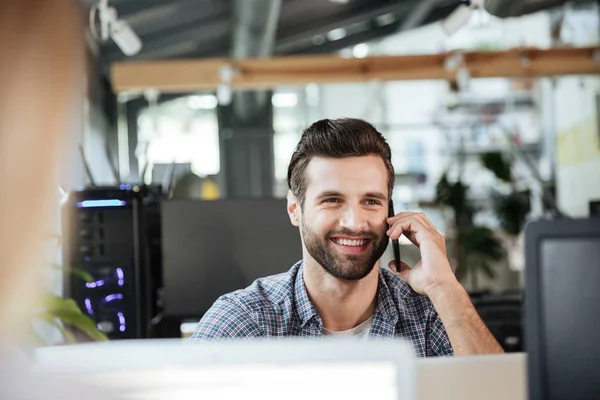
point(266, 73)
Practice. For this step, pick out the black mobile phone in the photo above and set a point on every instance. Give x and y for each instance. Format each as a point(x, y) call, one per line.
point(395, 245)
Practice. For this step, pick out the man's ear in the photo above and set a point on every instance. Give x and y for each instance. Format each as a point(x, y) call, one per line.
point(293, 208)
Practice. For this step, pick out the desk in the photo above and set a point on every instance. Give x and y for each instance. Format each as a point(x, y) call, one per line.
point(475, 377)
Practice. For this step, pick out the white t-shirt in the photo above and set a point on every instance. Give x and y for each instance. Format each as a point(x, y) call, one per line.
point(360, 331)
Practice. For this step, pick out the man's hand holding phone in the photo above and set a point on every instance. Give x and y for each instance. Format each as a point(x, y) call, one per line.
point(434, 268)
point(433, 277)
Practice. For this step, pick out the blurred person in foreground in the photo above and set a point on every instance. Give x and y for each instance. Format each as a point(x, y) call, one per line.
point(341, 179)
point(41, 89)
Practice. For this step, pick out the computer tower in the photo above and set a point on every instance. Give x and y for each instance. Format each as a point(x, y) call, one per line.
point(109, 233)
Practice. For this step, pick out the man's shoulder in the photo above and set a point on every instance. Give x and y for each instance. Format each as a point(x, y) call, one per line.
point(266, 292)
point(242, 313)
point(403, 295)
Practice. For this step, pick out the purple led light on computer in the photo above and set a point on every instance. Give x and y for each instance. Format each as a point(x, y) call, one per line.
point(121, 321)
point(120, 276)
point(88, 306)
point(95, 284)
point(112, 297)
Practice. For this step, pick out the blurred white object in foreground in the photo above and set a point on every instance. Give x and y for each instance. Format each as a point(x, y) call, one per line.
point(261, 369)
point(288, 368)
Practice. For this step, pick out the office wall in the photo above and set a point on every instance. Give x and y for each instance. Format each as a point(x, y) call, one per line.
point(97, 133)
point(577, 143)
point(576, 119)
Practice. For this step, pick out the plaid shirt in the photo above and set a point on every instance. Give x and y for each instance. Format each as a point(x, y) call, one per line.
point(278, 306)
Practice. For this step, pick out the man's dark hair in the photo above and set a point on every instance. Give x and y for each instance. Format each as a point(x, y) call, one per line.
point(337, 138)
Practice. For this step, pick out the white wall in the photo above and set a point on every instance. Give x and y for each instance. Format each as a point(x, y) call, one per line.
point(480, 32)
point(95, 142)
point(577, 144)
point(576, 122)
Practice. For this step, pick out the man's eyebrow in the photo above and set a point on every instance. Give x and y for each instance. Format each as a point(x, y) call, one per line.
point(329, 193)
point(371, 195)
point(376, 195)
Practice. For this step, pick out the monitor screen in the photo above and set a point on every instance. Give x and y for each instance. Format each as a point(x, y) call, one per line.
point(211, 248)
point(570, 294)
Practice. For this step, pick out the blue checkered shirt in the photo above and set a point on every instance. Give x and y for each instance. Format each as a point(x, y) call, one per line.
point(278, 306)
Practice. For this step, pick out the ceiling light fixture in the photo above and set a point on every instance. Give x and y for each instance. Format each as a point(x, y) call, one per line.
point(460, 16)
point(111, 27)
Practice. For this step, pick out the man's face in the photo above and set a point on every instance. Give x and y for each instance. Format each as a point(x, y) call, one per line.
point(343, 220)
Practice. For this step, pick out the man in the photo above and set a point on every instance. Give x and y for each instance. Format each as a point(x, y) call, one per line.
point(341, 179)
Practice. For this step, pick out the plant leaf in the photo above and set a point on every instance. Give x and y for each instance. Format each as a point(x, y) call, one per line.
point(512, 211)
point(86, 276)
point(67, 311)
point(52, 320)
point(80, 273)
point(495, 162)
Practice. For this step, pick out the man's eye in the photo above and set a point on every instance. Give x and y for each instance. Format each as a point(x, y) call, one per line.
point(332, 200)
point(373, 202)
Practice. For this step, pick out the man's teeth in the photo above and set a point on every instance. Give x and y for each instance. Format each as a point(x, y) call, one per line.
point(347, 242)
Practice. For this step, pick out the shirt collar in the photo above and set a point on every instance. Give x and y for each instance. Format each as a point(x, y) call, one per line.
point(385, 307)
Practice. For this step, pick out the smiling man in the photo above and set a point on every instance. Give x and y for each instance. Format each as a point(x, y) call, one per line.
point(341, 178)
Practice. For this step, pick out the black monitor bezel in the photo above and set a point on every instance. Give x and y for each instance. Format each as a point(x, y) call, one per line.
point(535, 233)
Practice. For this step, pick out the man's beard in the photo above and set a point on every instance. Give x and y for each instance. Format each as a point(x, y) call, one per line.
point(351, 267)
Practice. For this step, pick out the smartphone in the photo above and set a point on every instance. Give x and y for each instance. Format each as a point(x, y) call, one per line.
point(395, 245)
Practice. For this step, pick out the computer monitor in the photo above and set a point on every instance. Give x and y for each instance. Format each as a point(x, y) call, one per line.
point(211, 248)
point(562, 308)
point(290, 368)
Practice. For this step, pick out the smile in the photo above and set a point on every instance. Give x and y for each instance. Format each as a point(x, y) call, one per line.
point(350, 242)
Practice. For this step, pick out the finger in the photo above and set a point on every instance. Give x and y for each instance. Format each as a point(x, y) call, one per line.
point(423, 218)
point(414, 229)
point(403, 266)
point(417, 218)
point(438, 237)
point(393, 219)
point(395, 231)
point(411, 227)
point(404, 270)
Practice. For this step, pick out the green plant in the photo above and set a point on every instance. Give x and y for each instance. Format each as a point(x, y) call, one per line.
point(495, 162)
point(475, 248)
point(512, 208)
point(482, 249)
point(63, 313)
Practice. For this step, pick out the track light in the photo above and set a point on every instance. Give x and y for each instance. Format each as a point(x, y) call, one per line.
point(111, 27)
point(460, 16)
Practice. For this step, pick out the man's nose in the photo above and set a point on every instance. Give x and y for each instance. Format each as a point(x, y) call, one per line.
point(355, 219)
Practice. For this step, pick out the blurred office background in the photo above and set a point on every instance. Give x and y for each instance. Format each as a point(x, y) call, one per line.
point(178, 197)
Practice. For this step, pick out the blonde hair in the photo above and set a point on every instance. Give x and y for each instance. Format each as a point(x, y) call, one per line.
point(41, 71)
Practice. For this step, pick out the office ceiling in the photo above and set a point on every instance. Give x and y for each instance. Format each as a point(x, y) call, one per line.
point(172, 29)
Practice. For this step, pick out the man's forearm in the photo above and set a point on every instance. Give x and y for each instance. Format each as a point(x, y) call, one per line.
point(467, 332)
